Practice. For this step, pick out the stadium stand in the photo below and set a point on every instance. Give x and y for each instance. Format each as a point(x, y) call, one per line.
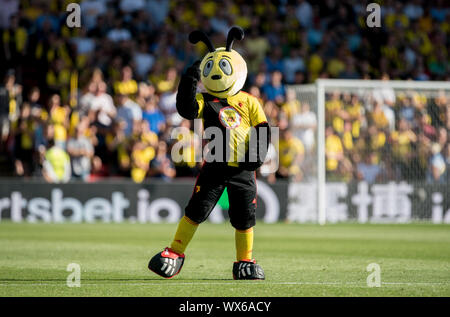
point(105, 93)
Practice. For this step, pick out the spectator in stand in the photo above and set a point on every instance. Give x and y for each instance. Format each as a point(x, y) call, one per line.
point(141, 155)
point(304, 13)
point(161, 166)
point(98, 170)
point(23, 151)
point(386, 97)
point(86, 98)
point(273, 62)
point(126, 85)
point(154, 116)
point(349, 71)
point(260, 80)
point(81, 152)
point(256, 46)
point(425, 127)
point(292, 64)
point(437, 166)
point(56, 165)
point(59, 117)
point(143, 60)
point(44, 134)
point(291, 106)
point(369, 170)
point(129, 112)
point(402, 142)
point(103, 104)
point(168, 83)
point(4, 115)
point(167, 102)
point(292, 154)
point(14, 94)
point(274, 91)
point(378, 116)
point(185, 158)
point(334, 150)
point(443, 136)
point(406, 109)
point(91, 10)
point(146, 91)
point(304, 126)
point(158, 9)
point(33, 98)
point(118, 33)
point(84, 44)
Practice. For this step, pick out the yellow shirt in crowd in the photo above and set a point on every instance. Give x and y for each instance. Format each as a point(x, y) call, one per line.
point(333, 145)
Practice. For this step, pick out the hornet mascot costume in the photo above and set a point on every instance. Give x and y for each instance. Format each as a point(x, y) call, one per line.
point(240, 117)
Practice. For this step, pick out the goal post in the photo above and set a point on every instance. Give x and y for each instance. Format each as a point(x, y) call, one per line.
point(353, 114)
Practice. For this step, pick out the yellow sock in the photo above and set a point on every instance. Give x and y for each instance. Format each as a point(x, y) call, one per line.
point(244, 244)
point(185, 232)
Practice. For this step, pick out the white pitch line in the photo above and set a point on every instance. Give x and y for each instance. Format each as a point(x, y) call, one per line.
point(227, 283)
point(424, 283)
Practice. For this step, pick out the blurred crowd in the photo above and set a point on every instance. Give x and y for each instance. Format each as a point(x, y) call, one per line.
point(386, 135)
point(99, 101)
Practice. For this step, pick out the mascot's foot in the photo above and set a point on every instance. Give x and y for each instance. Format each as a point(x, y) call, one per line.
point(247, 270)
point(167, 263)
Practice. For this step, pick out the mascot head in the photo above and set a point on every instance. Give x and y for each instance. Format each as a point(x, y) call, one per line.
point(223, 70)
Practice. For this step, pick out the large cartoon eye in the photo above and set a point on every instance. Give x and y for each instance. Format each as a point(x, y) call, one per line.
point(225, 66)
point(207, 68)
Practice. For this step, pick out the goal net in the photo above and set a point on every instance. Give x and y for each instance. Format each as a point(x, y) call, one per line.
point(374, 151)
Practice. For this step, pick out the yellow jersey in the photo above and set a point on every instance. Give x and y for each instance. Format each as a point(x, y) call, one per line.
point(235, 116)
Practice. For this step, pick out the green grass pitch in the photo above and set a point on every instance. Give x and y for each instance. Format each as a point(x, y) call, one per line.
point(299, 260)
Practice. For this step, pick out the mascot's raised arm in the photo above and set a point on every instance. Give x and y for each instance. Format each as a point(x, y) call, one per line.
point(231, 163)
point(223, 73)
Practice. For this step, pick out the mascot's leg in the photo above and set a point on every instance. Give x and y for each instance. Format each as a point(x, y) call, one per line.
point(244, 244)
point(242, 197)
point(207, 191)
point(185, 231)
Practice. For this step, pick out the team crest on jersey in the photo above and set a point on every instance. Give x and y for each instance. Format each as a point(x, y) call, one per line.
point(229, 117)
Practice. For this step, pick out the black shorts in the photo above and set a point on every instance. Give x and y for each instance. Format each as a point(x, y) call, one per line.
point(210, 184)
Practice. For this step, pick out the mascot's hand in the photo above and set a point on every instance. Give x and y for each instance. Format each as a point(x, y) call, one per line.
point(187, 105)
point(194, 70)
point(251, 154)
